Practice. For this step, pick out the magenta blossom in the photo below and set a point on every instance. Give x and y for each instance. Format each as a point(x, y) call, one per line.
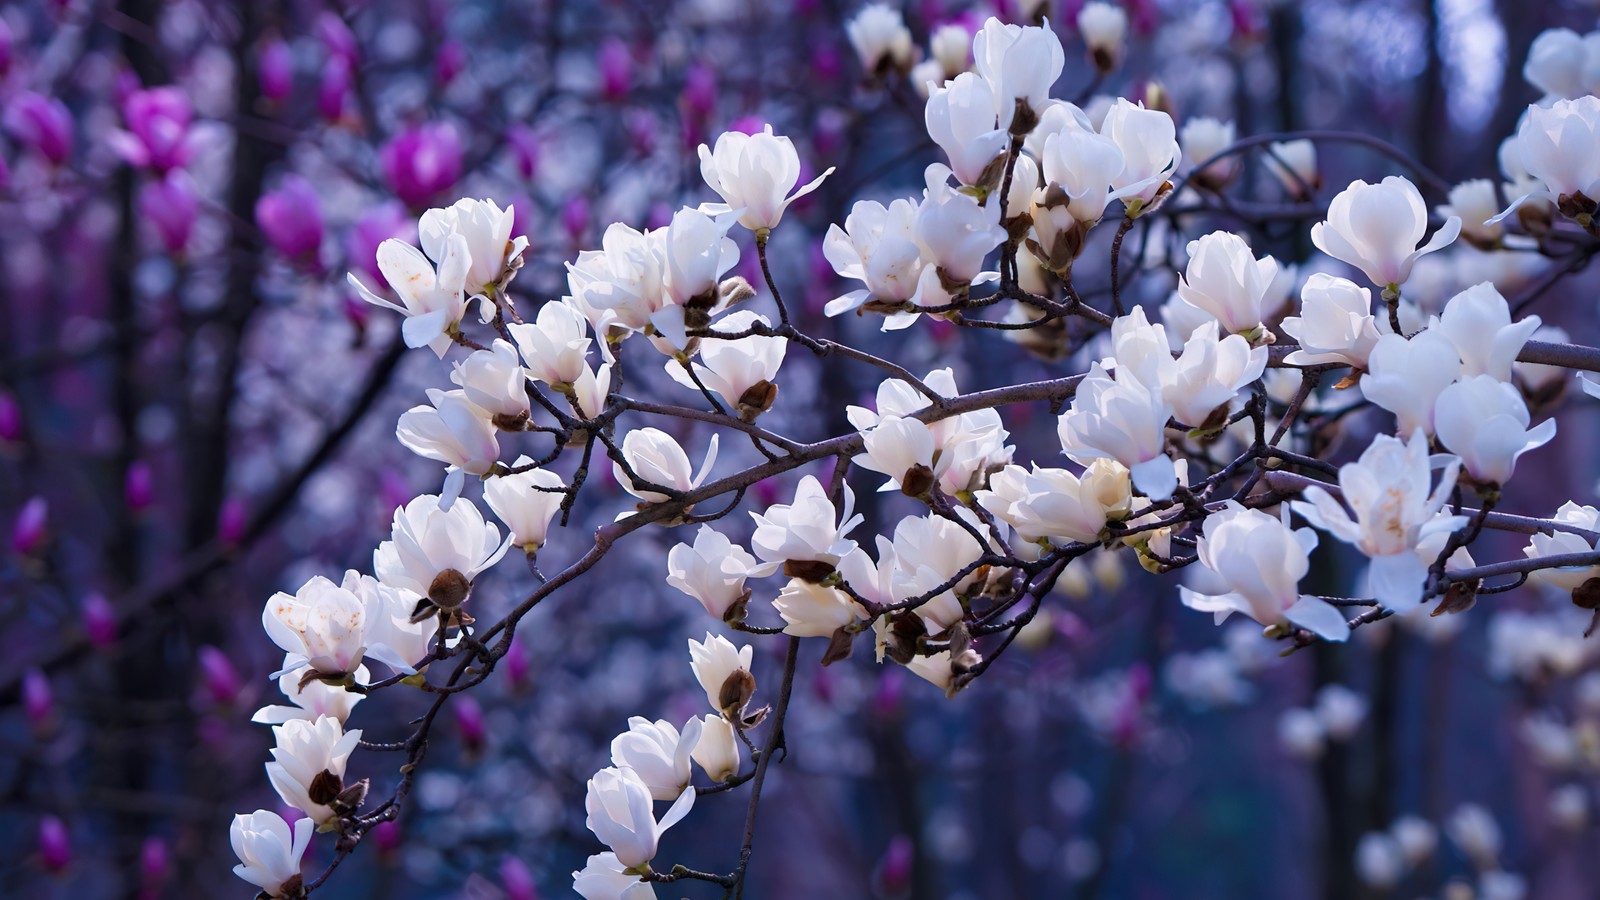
point(275, 70)
point(290, 218)
point(334, 89)
point(158, 129)
point(420, 162)
point(55, 844)
point(42, 123)
point(616, 69)
point(376, 225)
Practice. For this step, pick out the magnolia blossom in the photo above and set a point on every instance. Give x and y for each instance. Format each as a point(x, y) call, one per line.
point(1122, 420)
point(1335, 324)
point(960, 117)
point(737, 369)
point(1105, 32)
point(526, 502)
point(307, 768)
point(881, 39)
point(655, 458)
point(1295, 165)
point(1405, 377)
point(1376, 227)
point(1020, 64)
point(1485, 422)
point(896, 446)
point(622, 284)
point(1393, 507)
point(1558, 543)
point(618, 803)
point(555, 345)
point(813, 610)
point(494, 256)
point(435, 551)
point(1202, 138)
point(805, 530)
point(930, 551)
point(1478, 323)
point(1150, 152)
point(950, 45)
point(321, 626)
point(755, 173)
point(657, 753)
point(712, 570)
point(1225, 279)
point(1078, 166)
point(1556, 146)
point(270, 851)
point(432, 299)
point(1556, 62)
point(1051, 504)
point(1475, 203)
point(717, 751)
point(1209, 373)
point(494, 380)
point(312, 700)
point(453, 430)
point(604, 878)
point(878, 247)
point(1258, 561)
point(714, 662)
point(955, 233)
point(697, 252)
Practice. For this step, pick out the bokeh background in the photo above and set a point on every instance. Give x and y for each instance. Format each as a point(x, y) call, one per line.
point(195, 411)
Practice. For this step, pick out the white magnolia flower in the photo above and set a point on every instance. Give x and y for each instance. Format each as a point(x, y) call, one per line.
point(1556, 145)
point(453, 431)
point(1055, 504)
point(804, 530)
point(429, 540)
point(878, 247)
point(731, 368)
point(619, 809)
point(1149, 144)
point(1209, 373)
point(555, 345)
point(755, 173)
point(956, 234)
point(1078, 166)
point(1394, 506)
point(976, 446)
point(321, 626)
point(494, 381)
point(392, 637)
point(698, 253)
point(1295, 165)
point(494, 256)
point(1259, 561)
point(1417, 838)
point(813, 610)
point(950, 45)
point(656, 458)
point(1300, 733)
point(657, 753)
point(930, 551)
point(1406, 377)
point(715, 661)
point(712, 570)
point(718, 749)
point(432, 300)
point(591, 390)
point(1556, 61)
point(525, 502)
point(1474, 830)
point(1335, 324)
point(881, 39)
point(604, 878)
point(269, 851)
point(1559, 543)
point(1340, 710)
point(1478, 322)
point(1020, 64)
point(960, 118)
point(312, 701)
point(1105, 32)
point(1225, 279)
point(1485, 422)
point(1376, 228)
point(1476, 204)
point(895, 446)
point(939, 669)
point(1122, 420)
point(623, 283)
point(1203, 138)
point(307, 768)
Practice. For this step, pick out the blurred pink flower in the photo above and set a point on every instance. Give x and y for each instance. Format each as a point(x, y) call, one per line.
point(290, 218)
point(421, 161)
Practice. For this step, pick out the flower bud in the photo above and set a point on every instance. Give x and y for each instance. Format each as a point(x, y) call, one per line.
point(31, 527)
point(290, 218)
point(55, 845)
point(10, 419)
point(516, 880)
point(155, 867)
point(218, 676)
point(616, 69)
point(1105, 32)
point(470, 725)
point(99, 621)
point(42, 123)
point(275, 70)
point(138, 486)
point(38, 701)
